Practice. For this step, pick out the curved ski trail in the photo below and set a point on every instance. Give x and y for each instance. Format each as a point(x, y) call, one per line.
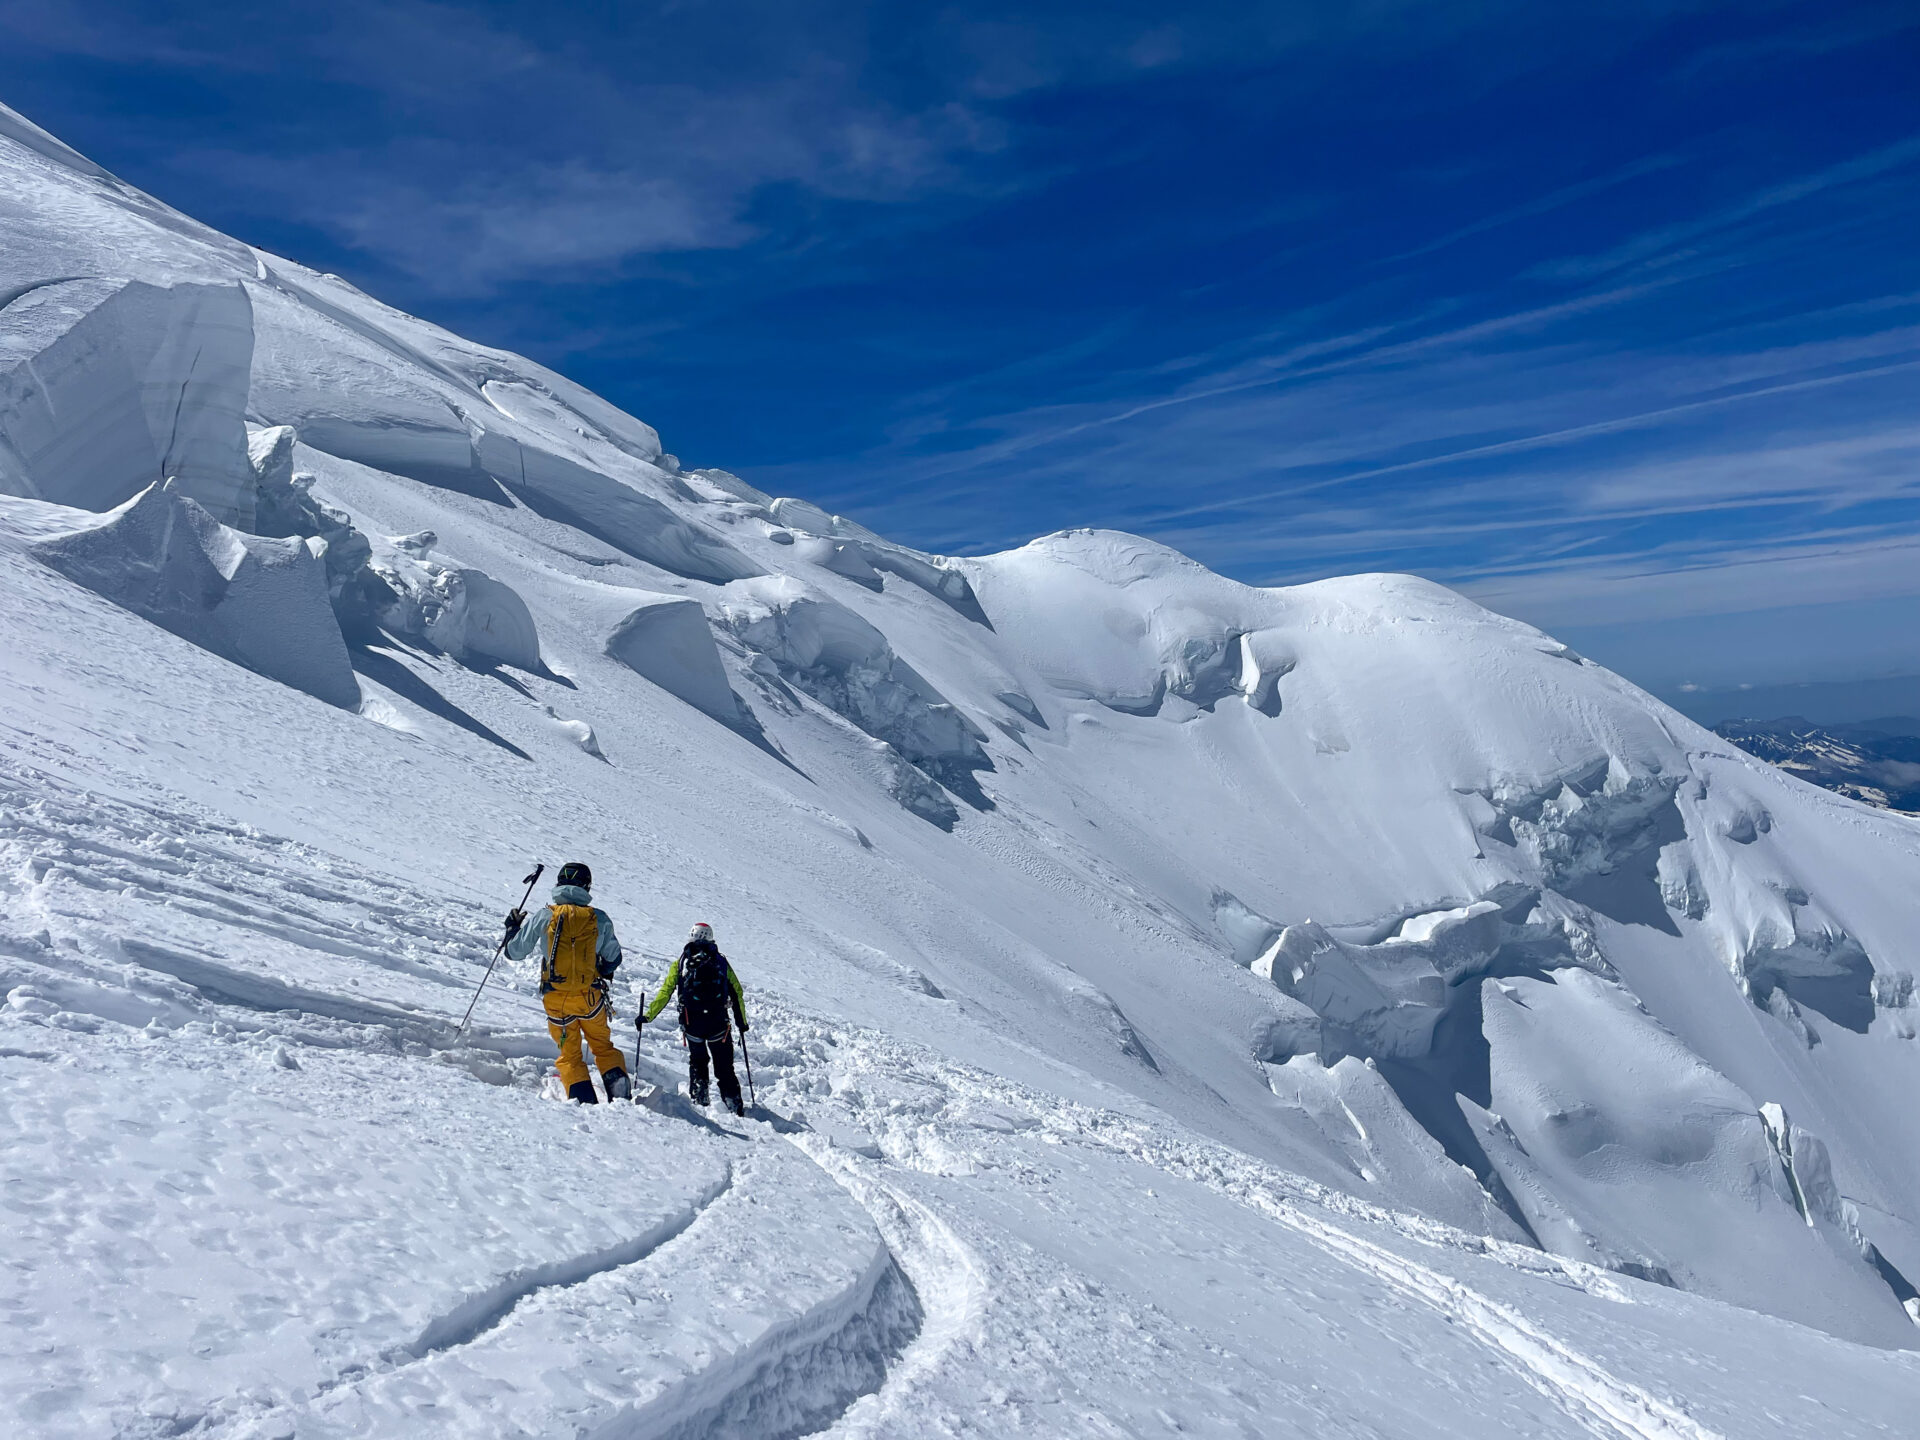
point(949, 1281)
point(765, 1315)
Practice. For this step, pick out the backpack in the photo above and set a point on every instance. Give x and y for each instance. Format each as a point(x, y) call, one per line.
point(573, 940)
point(705, 993)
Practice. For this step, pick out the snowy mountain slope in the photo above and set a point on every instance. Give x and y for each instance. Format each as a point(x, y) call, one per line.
point(1119, 940)
point(1868, 762)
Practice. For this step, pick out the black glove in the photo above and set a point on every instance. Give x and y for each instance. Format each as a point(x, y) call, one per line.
point(515, 919)
point(744, 1027)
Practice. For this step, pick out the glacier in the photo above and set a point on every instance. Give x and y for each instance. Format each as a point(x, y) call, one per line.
point(1179, 1006)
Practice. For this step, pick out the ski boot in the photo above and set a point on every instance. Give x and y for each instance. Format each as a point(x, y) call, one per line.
point(582, 1091)
point(618, 1086)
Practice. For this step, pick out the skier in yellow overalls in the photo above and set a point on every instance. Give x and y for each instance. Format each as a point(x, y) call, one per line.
point(578, 957)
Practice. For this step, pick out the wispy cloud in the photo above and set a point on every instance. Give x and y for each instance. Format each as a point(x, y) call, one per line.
point(1545, 456)
point(1817, 571)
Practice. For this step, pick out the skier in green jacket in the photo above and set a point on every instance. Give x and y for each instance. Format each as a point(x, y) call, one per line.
point(708, 989)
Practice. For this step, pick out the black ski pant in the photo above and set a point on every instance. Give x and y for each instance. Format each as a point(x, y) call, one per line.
point(720, 1048)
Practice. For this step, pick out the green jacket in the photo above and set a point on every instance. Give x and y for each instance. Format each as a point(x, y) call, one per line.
point(672, 978)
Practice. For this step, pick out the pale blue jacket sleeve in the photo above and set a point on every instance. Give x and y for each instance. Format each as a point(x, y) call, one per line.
point(533, 934)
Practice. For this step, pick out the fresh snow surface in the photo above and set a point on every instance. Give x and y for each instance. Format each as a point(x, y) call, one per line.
point(1178, 1007)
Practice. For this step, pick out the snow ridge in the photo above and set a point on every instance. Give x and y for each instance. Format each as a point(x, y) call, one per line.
point(474, 1317)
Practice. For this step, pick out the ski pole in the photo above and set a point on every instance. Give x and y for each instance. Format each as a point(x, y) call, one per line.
point(531, 879)
point(639, 1029)
point(747, 1055)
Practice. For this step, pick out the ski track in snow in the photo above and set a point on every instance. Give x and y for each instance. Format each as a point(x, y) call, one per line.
point(243, 910)
point(473, 1318)
point(794, 1376)
point(217, 873)
point(949, 1280)
point(1608, 1405)
point(1603, 1404)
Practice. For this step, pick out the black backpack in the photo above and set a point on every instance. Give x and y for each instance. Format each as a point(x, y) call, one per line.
point(705, 993)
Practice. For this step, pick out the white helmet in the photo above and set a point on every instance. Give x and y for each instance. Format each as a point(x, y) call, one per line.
point(701, 931)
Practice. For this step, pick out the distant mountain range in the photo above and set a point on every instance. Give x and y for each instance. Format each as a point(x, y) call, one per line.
point(1877, 761)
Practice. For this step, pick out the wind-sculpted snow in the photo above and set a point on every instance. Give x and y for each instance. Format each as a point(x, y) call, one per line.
point(109, 385)
point(666, 638)
point(844, 662)
point(1657, 1164)
point(464, 611)
point(1177, 1006)
point(261, 603)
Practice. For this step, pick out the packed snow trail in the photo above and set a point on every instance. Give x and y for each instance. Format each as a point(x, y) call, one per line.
point(950, 1282)
point(1608, 1405)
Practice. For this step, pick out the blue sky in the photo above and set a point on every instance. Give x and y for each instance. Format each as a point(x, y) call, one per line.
point(1609, 316)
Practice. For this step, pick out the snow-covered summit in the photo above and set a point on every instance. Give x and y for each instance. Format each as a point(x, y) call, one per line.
point(1151, 973)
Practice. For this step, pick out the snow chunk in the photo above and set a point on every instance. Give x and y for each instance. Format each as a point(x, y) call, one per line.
point(1248, 933)
point(1363, 1121)
point(725, 485)
point(1584, 823)
point(1266, 657)
point(842, 557)
point(259, 602)
point(667, 640)
point(612, 510)
point(803, 515)
point(912, 787)
point(1470, 927)
point(1681, 887)
point(464, 611)
point(578, 731)
point(1820, 967)
point(1384, 999)
point(107, 386)
point(846, 664)
point(836, 543)
point(284, 506)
